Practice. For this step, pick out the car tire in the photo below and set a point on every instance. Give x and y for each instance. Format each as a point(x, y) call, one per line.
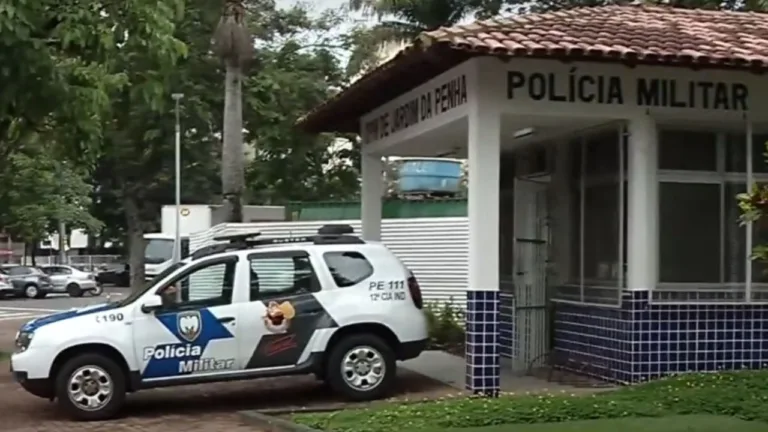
point(99, 290)
point(74, 290)
point(354, 382)
point(31, 291)
point(97, 372)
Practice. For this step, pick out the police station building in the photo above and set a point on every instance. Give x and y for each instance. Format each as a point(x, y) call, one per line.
point(606, 147)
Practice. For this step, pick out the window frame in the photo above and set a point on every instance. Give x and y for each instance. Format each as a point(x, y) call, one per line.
point(722, 176)
point(371, 271)
point(293, 254)
point(64, 271)
point(27, 271)
point(203, 303)
point(580, 289)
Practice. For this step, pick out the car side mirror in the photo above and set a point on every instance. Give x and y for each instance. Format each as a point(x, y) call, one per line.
point(152, 303)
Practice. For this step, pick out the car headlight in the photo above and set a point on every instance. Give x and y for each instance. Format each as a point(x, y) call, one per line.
point(23, 339)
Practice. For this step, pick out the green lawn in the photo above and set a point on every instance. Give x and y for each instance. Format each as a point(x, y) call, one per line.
point(715, 400)
point(663, 424)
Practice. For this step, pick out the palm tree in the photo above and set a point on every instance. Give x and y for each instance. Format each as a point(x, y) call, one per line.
point(400, 21)
point(232, 43)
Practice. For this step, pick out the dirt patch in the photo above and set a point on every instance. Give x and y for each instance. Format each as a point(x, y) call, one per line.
point(457, 349)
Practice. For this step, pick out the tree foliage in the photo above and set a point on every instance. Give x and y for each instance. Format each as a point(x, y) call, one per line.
point(39, 188)
point(59, 69)
point(287, 164)
point(87, 130)
point(400, 21)
point(135, 173)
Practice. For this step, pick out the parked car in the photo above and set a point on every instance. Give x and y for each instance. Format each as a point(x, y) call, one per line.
point(70, 280)
point(330, 304)
point(27, 281)
point(114, 274)
point(6, 288)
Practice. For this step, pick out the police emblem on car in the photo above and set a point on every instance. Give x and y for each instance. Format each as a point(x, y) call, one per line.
point(189, 325)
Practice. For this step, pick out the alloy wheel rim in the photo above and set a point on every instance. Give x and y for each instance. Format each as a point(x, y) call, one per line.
point(363, 368)
point(90, 388)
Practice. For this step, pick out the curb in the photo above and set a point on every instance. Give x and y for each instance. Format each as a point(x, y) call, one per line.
point(271, 423)
point(345, 406)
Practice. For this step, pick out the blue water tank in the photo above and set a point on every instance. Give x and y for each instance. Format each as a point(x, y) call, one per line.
point(429, 175)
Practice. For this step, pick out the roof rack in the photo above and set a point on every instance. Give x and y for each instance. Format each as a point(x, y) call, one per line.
point(332, 234)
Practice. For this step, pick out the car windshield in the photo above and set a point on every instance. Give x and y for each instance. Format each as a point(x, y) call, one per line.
point(158, 251)
point(136, 294)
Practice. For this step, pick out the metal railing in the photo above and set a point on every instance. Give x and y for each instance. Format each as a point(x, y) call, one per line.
point(83, 262)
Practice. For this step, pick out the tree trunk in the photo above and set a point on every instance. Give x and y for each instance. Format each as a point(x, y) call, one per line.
point(232, 154)
point(136, 246)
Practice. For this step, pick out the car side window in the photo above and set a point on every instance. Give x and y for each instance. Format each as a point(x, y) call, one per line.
point(64, 271)
point(348, 268)
point(19, 271)
point(279, 274)
point(206, 286)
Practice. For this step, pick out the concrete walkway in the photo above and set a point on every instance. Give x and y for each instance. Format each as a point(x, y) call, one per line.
point(450, 369)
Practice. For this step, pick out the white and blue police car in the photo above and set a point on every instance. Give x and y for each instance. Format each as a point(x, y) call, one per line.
point(245, 307)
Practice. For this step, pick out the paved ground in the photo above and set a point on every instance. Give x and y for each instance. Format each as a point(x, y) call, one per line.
point(204, 408)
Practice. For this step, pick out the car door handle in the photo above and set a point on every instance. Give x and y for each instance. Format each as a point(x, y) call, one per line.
point(226, 319)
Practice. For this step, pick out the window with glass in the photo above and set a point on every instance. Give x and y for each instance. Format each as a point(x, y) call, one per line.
point(348, 268)
point(207, 285)
point(598, 216)
point(702, 243)
point(280, 274)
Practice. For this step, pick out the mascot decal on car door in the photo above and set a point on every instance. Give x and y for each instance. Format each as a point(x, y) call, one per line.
point(278, 317)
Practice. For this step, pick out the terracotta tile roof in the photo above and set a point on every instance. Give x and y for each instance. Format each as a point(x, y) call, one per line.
point(628, 34)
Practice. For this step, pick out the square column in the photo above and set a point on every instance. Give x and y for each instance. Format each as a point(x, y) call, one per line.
point(642, 204)
point(482, 319)
point(372, 188)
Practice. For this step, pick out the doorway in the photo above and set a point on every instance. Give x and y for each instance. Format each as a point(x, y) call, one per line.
point(531, 252)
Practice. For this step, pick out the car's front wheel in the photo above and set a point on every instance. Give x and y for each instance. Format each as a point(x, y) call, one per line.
point(74, 290)
point(31, 291)
point(361, 367)
point(99, 290)
point(90, 387)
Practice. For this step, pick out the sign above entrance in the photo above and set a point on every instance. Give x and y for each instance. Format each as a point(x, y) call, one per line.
point(651, 92)
point(433, 102)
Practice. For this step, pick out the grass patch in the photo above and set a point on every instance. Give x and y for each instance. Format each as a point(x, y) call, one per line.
point(662, 424)
point(742, 395)
point(4, 355)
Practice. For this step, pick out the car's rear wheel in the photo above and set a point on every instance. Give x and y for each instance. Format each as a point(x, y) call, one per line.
point(74, 290)
point(91, 387)
point(361, 367)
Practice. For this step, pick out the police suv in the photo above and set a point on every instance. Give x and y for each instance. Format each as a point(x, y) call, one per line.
point(246, 307)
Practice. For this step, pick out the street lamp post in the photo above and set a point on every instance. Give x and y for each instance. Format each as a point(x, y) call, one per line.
point(177, 238)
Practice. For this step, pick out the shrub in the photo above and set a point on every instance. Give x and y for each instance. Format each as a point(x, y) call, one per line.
point(738, 394)
point(446, 325)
